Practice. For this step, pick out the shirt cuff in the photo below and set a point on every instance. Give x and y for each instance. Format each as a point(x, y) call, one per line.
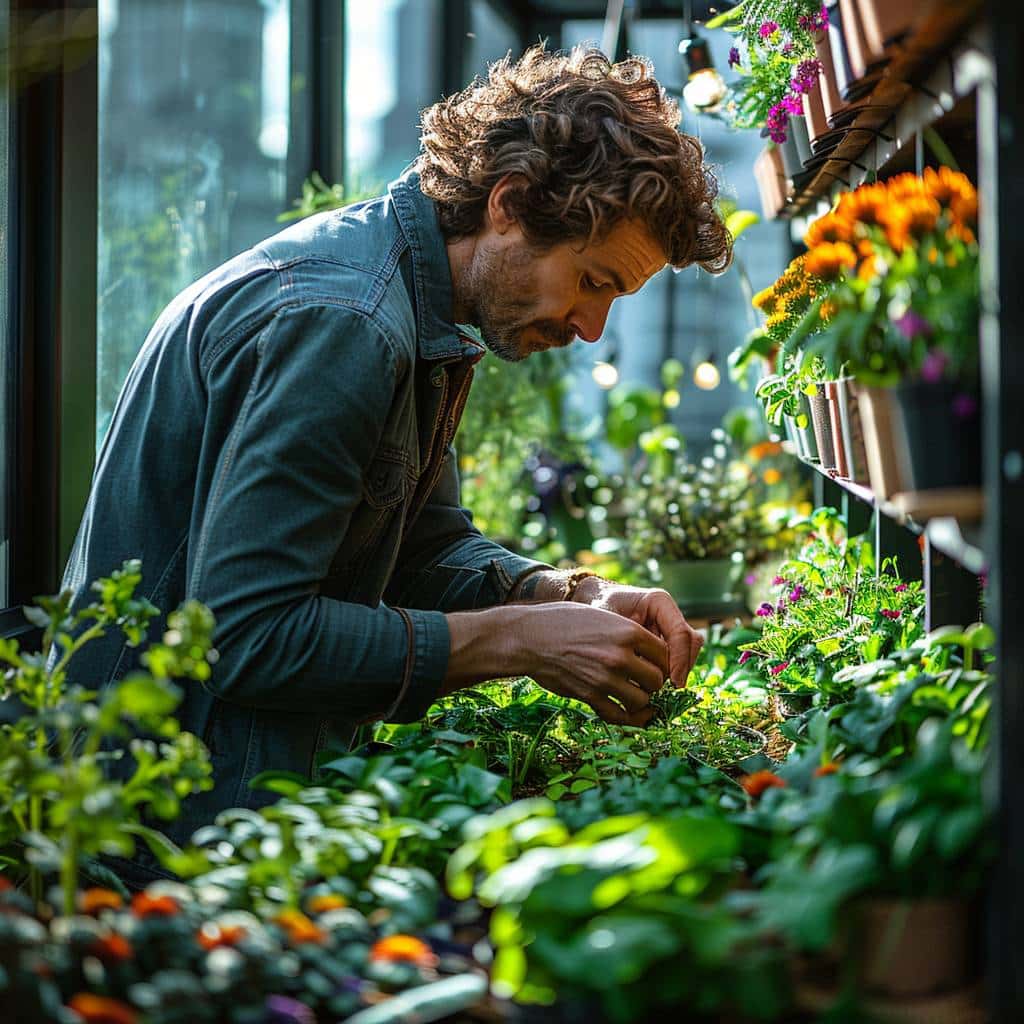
point(510, 570)
point(426, 662)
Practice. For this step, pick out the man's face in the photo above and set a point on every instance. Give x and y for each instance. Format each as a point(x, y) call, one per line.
point(525, 301)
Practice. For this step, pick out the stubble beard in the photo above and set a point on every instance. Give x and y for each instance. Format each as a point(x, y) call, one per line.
point(500, 292)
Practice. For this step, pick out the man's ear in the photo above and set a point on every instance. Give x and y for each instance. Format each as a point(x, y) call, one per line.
point(502, 203)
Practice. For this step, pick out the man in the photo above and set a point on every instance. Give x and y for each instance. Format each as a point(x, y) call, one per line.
point(281, 450)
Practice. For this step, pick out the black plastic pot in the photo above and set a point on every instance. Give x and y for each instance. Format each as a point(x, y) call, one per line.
point(942, 422)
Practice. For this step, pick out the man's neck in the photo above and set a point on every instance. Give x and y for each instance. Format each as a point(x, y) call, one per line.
point(460, 255)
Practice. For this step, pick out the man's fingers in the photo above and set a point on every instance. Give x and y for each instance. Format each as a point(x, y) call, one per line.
point(647, 676)
point(652, 647)
point(612, 712)
point(683, 641)
point(630, 695)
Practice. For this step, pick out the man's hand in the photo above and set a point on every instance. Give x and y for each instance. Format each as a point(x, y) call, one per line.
point(606, 660)
point(654, 610)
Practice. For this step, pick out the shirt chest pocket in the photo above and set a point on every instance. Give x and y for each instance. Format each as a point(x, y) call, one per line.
point(386, 481)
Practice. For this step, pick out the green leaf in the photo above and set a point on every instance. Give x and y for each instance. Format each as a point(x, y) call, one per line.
point(286, 783)
point(739, 221)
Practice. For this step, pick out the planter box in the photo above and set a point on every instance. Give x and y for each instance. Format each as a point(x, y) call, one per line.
point(701, 582)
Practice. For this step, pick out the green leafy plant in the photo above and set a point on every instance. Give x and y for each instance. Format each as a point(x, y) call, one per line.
point(56, 796)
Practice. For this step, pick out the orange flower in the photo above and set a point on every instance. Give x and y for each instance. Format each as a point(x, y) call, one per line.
point(828, 260)
point(763, 449)
point(299, 927)
point(145, 905)
point(326, 901)
point(211, 935)
point(403, 949)
point(828, 768)
point(113, 947)
point(905, 185)
point(830, 228)
point(964, 209)
point(958, 232)
point(758, 782)
point(944, 184)
point(865, 204)
point(95, 1009)
point(92, 901)
point(828, 309)
point(771, 476)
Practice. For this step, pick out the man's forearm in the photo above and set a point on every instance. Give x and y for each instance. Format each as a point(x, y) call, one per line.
point(552, 585)
point(485, 645)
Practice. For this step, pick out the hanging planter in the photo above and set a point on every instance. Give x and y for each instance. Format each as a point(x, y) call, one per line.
point(864, 69)
point(942, 423)
point(815, 119)
point(885, 22)
point(771, 181)
point(837, 112)
point(852, 431)
point(822, 427)
point(884, 440)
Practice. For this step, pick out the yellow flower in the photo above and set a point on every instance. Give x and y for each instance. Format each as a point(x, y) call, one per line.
point(828, 309)
point(771, 476)
point(765, 300)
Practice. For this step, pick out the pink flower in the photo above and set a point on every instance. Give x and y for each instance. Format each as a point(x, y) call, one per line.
point(805, 78)
point(750, 579)
point(744, 657)
point(912, 324)
point(765, 610)
point(900, 587)
point(890, 613)
point(777, 670)
point(792, 105)
point(768, 28)
point(796, 593)
point(778, 581)
point(776, 122)
point(965, 407)
point(814, 22)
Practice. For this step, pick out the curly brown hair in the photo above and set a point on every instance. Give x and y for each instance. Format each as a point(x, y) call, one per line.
point(595, 141)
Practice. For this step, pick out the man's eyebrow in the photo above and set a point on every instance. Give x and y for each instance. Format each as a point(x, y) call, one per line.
point(613, 274)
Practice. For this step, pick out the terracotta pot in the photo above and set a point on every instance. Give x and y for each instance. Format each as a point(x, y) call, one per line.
point(838, 442)
point(836, 111)
point(822, 427)
point(885, 21)
point(884, 441)
point(770, 180)
point(914, 948)
point(814, 113)
point(852, 431)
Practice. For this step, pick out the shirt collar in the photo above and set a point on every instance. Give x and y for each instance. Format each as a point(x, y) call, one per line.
point(437, 336)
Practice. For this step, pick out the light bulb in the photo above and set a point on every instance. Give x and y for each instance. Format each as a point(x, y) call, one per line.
point(605, 375)
point(705, 91)
point(706, 376)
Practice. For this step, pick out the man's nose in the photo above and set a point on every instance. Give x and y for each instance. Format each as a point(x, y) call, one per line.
point(589, 323)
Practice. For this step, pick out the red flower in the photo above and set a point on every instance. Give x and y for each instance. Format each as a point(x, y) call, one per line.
point(5, 883)
point(95, 1009)
point(145, 905)
point(777, 670)
point(756, 783)
point(112, 947)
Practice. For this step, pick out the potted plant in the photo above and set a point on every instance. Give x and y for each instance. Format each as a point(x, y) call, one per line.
point(693, 521)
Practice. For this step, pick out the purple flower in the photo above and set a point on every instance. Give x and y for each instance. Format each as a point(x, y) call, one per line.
point(787, 48)
point(792, 104)
point(934, 365)
point(890, 613)
point(912, 325)
point(806, 76)
point(965, 407)
point(750, 579)
point(768, 28)
point(796, 593)
point(777, 670)
point(814, 22)
point(744, 657)
point(734, 57)
point(778, 581)
point(900, 587)
point(285, 1010)
point(776, 123)
point(765, 610)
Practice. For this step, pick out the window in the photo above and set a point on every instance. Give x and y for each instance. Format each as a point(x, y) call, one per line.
point(203, 141)
point(391, 73)
point(491, 37)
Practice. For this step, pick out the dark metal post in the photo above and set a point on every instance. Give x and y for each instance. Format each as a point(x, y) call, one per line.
point(327, 94)
point(952, 593)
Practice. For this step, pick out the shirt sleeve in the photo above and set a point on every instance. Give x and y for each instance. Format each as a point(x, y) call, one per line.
point(311, 405)
point(446, 563)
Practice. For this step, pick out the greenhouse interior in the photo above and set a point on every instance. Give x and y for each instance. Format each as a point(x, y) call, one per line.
point(645, 648)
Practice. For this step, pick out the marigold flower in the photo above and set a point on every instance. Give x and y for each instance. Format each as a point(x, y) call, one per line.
point(325, 901)
point(763, 449)
point(92, 901)
point(112, 947)
point(299, 927)
point(765, 300)
point(146, 905)
point(771, 476)
point(964, 208)
point(778, 319)
point(830, 228)
point(212, 936)
point(945, 183)
point(403, 949)
point(828, 309)
point(94, 1009)
point(904, 185)
point(957, 232)
point(757, 782)
point(828, 768)
point(828, 260)
point(866, 204)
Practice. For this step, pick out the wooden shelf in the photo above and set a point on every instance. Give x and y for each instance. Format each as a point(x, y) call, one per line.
point(949, 518)
point(942, 60)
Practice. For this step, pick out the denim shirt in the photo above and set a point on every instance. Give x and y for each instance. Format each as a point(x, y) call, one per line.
point(281, 451)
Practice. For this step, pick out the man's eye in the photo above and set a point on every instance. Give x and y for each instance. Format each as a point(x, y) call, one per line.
point(589, 282)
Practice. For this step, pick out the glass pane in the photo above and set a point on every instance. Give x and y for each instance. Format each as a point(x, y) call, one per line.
point(6, 384)
point(490, 38)
point(392, 70)
point(203, 141)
